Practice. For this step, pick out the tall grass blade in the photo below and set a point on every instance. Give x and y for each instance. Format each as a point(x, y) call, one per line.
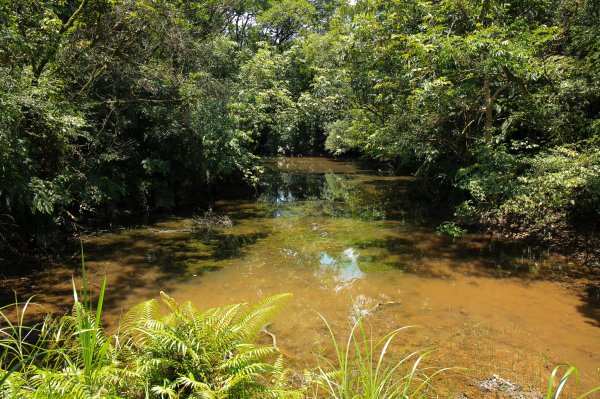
point(84, 278)
point(588, 393)
point(100, 303)
point(88, 328)
point(565, 378)
point(571, 371)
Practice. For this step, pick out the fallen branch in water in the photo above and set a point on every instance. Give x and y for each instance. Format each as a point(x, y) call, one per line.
point(201, 224)
point(208, 222)
point(270, 334)
point(381, 304)
point(172, 231)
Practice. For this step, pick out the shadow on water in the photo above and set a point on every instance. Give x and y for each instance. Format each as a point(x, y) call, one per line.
point(227, 246)
point(591, 305)
point(143, 260)
point(171, 252)
point(350, 222)
point(421, 254)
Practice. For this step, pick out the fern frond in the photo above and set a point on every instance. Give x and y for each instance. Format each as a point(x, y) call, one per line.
point(173, 342)
point(247, 357)
point(170, 302)
point(220, 319)
point(259, 315)
point(234, 382)
point(63, 384)
point(139, 315)
point(189, 311)
point(204, 354)
point(283, 394)
point(190, 382)
point(164, 391)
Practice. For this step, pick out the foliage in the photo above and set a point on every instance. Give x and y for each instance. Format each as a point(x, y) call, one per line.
point(495, 99)
point(190, 354)
point(182, 354)
point(109, 107)
point(68, 357)
point(451, 230)
point(551, 187)
point(205, 355)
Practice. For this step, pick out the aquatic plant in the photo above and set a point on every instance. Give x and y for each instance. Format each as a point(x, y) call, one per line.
point(363, 368)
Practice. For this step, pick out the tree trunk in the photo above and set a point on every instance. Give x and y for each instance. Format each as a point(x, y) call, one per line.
point(51, 52)
point(489, 109)
point(485, 10)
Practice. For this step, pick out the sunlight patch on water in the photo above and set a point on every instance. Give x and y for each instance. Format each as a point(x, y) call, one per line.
point(345, 269)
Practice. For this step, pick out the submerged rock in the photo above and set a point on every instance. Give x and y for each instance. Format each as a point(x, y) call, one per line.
point(507, 388)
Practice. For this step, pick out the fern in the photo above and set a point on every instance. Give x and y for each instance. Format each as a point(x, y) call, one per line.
point(188, 353)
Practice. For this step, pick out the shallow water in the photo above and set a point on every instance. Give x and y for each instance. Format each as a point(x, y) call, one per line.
point(343, 239)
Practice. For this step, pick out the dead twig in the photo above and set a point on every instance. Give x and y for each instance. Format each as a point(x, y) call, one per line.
point(270, 334)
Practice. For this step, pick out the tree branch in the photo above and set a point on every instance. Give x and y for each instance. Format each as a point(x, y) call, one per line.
point(515, 79)
point(37, 70)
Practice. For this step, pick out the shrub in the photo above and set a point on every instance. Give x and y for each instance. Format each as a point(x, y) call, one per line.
point(556, 187)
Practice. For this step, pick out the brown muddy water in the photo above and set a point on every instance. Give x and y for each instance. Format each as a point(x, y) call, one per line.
point(342, 239)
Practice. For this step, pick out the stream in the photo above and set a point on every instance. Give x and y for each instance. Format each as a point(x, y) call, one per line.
point(347, 240)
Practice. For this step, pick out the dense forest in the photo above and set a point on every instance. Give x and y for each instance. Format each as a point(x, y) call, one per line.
point(109, 107)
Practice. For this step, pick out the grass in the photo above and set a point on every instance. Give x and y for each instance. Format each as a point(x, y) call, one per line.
point(556, 386)
point(88, 328)
point(69, 356)
point(363, 368)
point(15, 338)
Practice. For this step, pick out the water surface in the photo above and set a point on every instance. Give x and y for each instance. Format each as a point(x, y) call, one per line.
point(343, 239)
